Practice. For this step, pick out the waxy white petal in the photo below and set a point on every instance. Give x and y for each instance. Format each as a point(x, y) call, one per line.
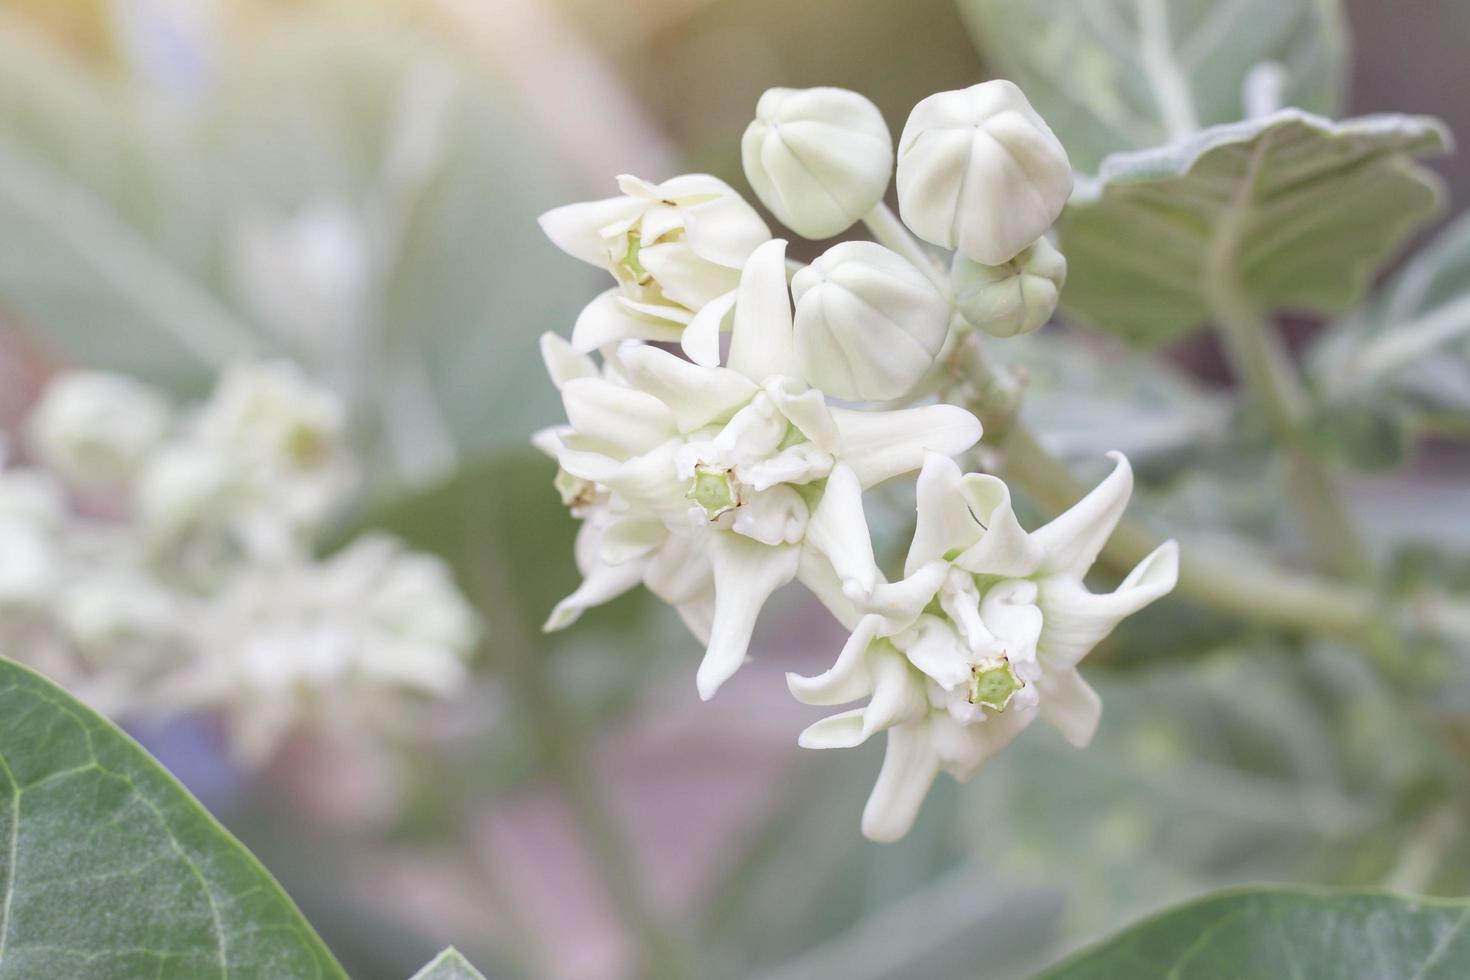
point(761, 344)
point(1074, 539)
point(846, 680)
point(1070, 704)
point(696, 395)
point(562, 362)
point(909, 768)
point(607, 320)
point(701, 339)
point(1077, 620)
point(621, 417)
point(746, 573)
point(882, 445)
point(843, 730)
point(839, 530)
point(577, 229)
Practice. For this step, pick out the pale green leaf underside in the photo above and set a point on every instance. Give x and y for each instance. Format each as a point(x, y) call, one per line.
point(110, 869)
point(1299, 211)
point(1409, 351)
point(1111, 75)
point(449, 965)
point(1269, 932)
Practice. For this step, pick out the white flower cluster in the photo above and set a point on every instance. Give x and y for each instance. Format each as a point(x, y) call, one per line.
point(717, 477)
point(157, 561)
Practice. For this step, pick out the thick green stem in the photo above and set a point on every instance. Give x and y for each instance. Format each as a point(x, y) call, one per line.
point(559, 736)
point(1264, 369)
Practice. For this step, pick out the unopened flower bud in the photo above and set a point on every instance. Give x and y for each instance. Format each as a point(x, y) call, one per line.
point(868, 324)
point(819, 158)
point(94, 428)
point(979, 171)
point(1015, 297)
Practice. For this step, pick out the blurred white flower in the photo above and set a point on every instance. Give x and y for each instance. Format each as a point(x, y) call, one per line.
point(706, 482)
point(868, 324)
point(981, 637)
point(674, 248)
point(94, 429)
point(819, 158)
point(1014, 298)
point(327, 642)
point(32, 518)
point(979, 171)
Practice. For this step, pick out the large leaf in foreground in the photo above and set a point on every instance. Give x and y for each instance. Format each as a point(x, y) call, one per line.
point(1267, 932)
point(1288, 211)
point(111, 869)
point(1113, 75)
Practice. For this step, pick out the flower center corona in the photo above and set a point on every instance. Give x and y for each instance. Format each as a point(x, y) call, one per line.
point(993, 683)
point(714, 489)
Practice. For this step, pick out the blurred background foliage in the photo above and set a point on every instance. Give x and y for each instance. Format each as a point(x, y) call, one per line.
point(354, 184)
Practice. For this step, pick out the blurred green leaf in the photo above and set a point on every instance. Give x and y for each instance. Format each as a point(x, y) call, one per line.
point(114, 870)
point(449, 965)
point(103, 235)
point(1405, 357)
point(1112, 75)
point(1271, 932)
point(1298, 210)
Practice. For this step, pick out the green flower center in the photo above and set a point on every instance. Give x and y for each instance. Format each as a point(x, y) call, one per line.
point(714, 489)
point(993, 683)
point(630, 259)
point(574, 491)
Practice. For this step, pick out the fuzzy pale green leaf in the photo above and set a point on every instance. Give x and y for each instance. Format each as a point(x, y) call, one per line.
point(1404, 359)
point(449, 965)
point(1113, 75)
point(1291, 211)
point(1278, 932)
point(110, 869)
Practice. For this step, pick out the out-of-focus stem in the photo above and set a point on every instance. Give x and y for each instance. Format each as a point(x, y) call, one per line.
point(558, 734)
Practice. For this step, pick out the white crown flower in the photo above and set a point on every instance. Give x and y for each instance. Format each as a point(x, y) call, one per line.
point(706, 482)
point(868, 324)
point(674, 248)
point(980, 172)
point(94, 429)
point(981, 638)
point(819, 158)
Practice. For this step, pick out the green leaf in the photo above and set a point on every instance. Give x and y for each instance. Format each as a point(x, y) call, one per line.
point(1280, 932)
point(1111, 75)
point(1291, 211)
point(449, 965)
point(1406, 355)
point(111, 869)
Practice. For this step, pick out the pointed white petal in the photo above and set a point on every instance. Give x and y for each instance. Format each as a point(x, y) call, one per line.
point(562, 362)
point(1004, 547)
point(761, 342)
point(840, 731)
point(900, 603)
point(839, 530)
point(577, 228)
point(626, 418)
point(898, 691)
point(725, 230)
point(746, 573)
point(1076, 620)
point(606, 320)
point(799, 464)
point(816, 573)
point(548, 440)
point(777, 516)
point(882, 445)
point(1073, 540)
point(964, 749)
point(806, 408)
point(1009, 611)
point(698, 615)
point(909, 768)
point(1070, 703)
point(602, 584)
point(701, 339)
point(935, 648)
point(680, 570)
point(697, 395)
point(944, 521)
point(649, 479)
point(630, 538)
point(846, 680)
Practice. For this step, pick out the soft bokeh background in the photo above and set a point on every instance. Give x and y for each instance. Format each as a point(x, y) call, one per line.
point(355, 184)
